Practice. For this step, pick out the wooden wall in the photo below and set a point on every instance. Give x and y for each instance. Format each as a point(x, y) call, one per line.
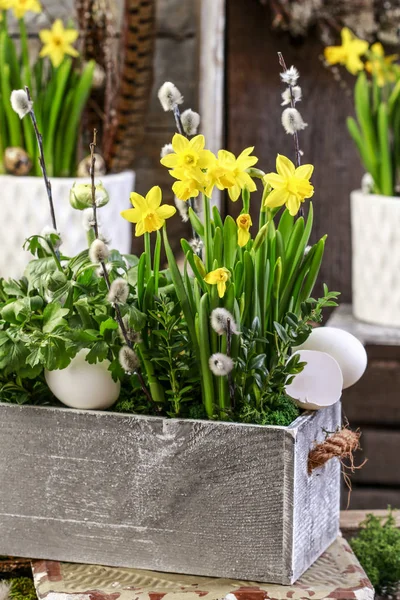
point(253, 118)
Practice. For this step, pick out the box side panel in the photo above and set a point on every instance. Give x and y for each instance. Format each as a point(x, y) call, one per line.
point(316, 496)
point(190, 497)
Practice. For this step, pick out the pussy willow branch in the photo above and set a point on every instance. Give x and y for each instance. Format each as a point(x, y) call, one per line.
point(42, 162)
point(292, 104)
point(228, 352)
point(118, 316)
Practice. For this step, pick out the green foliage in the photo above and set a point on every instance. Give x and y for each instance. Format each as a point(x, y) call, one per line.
point(377, 547)
point(60, 95)
point(22, 588)
point(375, 131)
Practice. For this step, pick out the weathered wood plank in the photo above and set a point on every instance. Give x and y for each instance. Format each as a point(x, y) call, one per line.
point(381, 448)
point(197, 497)
point(374, 498)
point(350, 520)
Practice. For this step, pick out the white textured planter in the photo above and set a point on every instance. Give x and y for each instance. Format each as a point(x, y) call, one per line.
point(375, 224)
point(25, 211)
point(183, 496)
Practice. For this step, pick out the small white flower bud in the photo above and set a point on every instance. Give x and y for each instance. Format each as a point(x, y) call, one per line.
point(292, 120)
point(183, 209)
point(100, 272)
point(88, 219)
point(290, 76)
point(287, 97)
point(98, 252)
point(219, 321)
point(128, 360)
point(119, 291)
point(47, 232)
point(166, 149)
point(132, 335)
point(21, 103)
point(196, 245)
point(169, 96)
point(220, 364)
point(190, 121)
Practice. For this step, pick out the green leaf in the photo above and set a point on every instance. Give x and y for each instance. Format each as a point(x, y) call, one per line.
point(97, 353)
point(108, 324)
point(230, 242)
point(53, 316)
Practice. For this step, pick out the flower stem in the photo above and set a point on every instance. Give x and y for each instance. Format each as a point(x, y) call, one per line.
point(25, 53)
point(147, 249)
point(118, 315)
point(42, 163)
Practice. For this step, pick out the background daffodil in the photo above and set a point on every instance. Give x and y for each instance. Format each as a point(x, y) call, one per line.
point(244, 223)
point(57, 42)
point(380, 65)
point(147, 213)
point(218, 277)
point(235, 177)
point(290, 186)
point(349, 53)
point(6, 4)
point(20, 7)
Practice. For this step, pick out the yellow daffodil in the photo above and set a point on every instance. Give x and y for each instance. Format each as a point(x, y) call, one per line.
point(349, 53)
point(380, 65)
point(188, 154)
point(189, 183)
point(20, 7)
point(57, 42)
point(291, 186)
point(6, 4)
point(235, 178)
point(244, 223)
point(219, 277)
point(147, 213)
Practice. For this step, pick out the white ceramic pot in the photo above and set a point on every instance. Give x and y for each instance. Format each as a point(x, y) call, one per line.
point(84, 385)
point(375, 223)
point(25, 211)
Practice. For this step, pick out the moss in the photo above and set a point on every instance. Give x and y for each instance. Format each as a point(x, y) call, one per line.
point(281, 410)
point(22, 588)
point(377, 547)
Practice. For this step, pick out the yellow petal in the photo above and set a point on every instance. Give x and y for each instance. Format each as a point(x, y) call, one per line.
point(304, 172)
point(226, 157)
point(244, 180)
point(243, 237)
point(304, 188)
point(221, 287)
point(293, 205)
point(45, 36)
point(71, 51)
point(58, 28)
point(154, 197)
point(206, 159)
point(284, 166)
point(56, 57)
point(139, 229)
point(170, 161)
point(166, 211)
point(70, 35)
point(334, 54)
point(276, 181)
point(197, 143)
point(354, 64)
point(138, 201)
point(179, 143)
point(182, 190)
point(276, 198)
point(133, 215)
point(346, 35)
point(211, 278)
point(234, 192)
point(377, 49)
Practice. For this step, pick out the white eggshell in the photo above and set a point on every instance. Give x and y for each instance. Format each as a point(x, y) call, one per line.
point(82, 385)
point(344, 347)
point(320, 382)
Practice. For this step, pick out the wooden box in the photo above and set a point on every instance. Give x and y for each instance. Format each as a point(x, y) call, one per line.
point(195, 497)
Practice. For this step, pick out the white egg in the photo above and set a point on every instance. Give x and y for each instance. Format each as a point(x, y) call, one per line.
point(344, 347)
point(320, 382)
point(82, 385)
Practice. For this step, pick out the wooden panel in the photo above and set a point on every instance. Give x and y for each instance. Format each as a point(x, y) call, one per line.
point(197, 497)
point(350, 520)
point(382, 449)
point(254, 112)
point(370, 498)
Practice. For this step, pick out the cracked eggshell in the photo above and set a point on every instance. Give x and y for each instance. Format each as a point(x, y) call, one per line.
point(319, 384)
point(82, 385)
point(346, 349)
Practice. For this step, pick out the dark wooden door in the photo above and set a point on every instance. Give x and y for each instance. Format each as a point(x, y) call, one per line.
point(253, 118)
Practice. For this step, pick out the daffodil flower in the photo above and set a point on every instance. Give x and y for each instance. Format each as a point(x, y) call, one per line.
point(349, 53)
point(218, 277)
point(380, 65)
point(57, 42)
point(6, 4)
point(21, 7)
point(235, 177)
point(189, 184)
point(244, 223)
point(147, 213)
point(290, 186)
point(188, 154)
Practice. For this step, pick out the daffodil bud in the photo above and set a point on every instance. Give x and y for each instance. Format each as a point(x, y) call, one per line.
point(80, 196)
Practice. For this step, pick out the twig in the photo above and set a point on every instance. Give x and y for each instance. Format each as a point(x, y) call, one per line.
point(228, 352)
point(42, 162)
point(118, 316)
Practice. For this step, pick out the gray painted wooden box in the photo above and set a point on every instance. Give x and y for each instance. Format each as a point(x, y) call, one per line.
point(195, 497)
